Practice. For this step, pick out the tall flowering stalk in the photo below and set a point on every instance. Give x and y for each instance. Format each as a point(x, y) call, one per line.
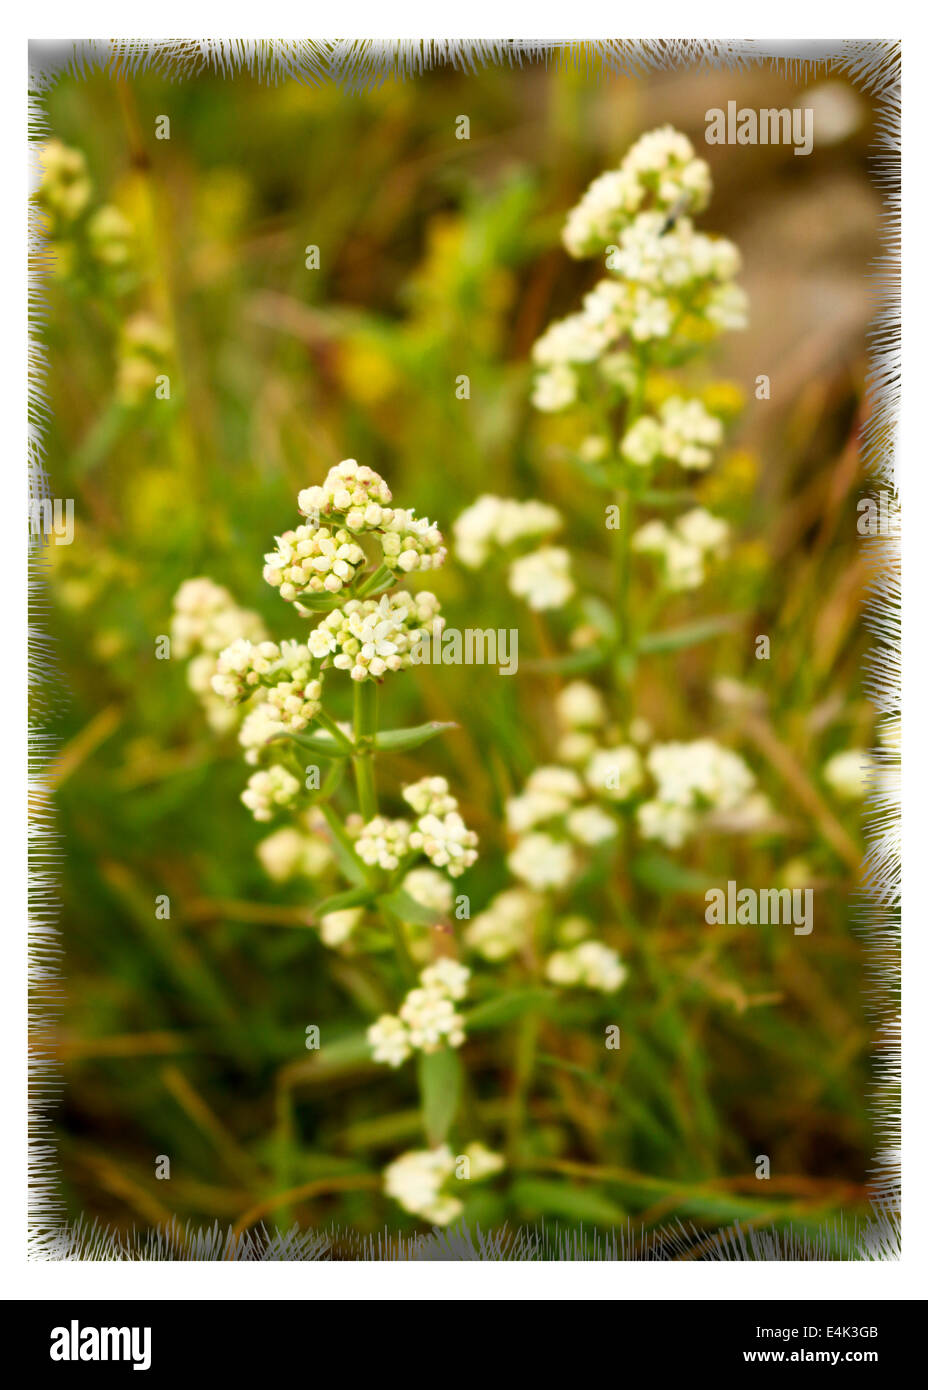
point(339, 568)
point(640, 437)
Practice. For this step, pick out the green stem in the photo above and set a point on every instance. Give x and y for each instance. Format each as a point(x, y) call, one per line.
point(365, 727)
point(624, 664)
point(403, 954)
point(526, 1044)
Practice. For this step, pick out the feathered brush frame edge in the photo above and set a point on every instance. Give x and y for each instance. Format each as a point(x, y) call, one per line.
point(357, 65)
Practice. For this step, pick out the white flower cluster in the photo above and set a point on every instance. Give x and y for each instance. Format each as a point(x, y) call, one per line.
point(383, 843)
point(430, 889)
point(580, 706)
point(615, 773)
point(270, 790)
point(359, 498)
point(556, 798)
point(241, 666)
point(497, 523)
point(368, 637)
point(590, 965)
point(294, 692)
point(668, 278)
point(581, 712)
point(683, 547)
point(65, 188)
point(416, 1179)
point(427, 1018)
point(684, 431)
point(259, 727)
point(849, 774)
point(548, 792)
point(313, 560)
point(692, 779)
point(351, 490)
point(660, 171)
point(543, 862)
point(411, 542)
point(206, 620)
point(505, 926)
point(542, 578)
point(296, 853)
point(296, 695)
point(438, 832)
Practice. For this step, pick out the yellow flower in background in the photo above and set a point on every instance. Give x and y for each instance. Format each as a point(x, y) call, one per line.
point(365, 371)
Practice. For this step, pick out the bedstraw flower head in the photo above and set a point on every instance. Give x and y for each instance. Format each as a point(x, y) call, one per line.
point(542, 578)
point(660, 171)
point(368, 637)
point(543, 862)
point(580, 706)
point(427, 1018)
point(415, 1180)
point(110, 237)
point(411, 543)
point(430, 795)
point(383, 843)
point(389, 1040)
point(504, 927)
point(615, 773)
point(349, 487)
point(684, 547)
point(241, 665)
point(296, 700)
point(313, 560)
point(430, 889)
point(692, 779)
point(591, 965)
point(497, 523)
point(270, 790)
point(432, 1020)
point(446, 841)
point(548, 792)
point(420, 1180)
point(206, 619)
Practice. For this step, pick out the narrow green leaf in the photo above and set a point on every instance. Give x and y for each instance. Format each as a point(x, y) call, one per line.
point(321, 743)
point(676, 638)
point(338, 902)
point(393, 740)
point(344, 1054)
point(343, 848)
point(440, 1091)
point(662, 874)
point(567, 1201)
point(570, 663)
point(505, 1008)
point(657, 497)
point(600, 615)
